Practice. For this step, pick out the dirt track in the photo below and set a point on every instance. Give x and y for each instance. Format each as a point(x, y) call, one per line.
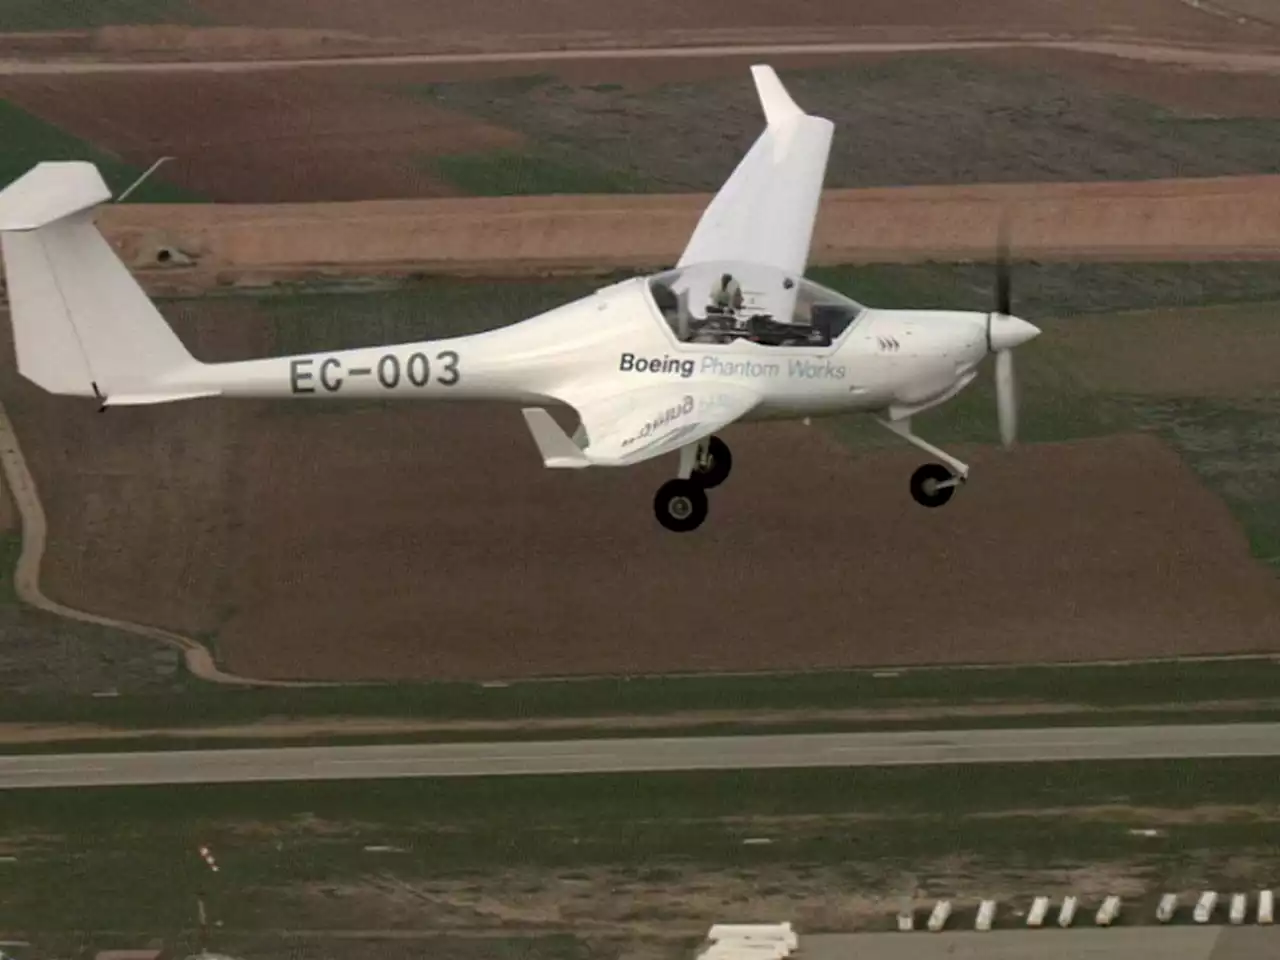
point(1265, 60)
point(1184, 219)
point(26, 578)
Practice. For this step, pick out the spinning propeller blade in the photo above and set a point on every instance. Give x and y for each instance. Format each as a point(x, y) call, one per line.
point(1004, 303)
point(1006, 398)
point(1006, 393)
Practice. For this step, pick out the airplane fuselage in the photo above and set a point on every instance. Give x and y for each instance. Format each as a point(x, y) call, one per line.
point(615, 340)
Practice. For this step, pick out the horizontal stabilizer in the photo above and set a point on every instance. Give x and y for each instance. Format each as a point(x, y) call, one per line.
point(556, 447)
point(50, 192)
point(150, 399)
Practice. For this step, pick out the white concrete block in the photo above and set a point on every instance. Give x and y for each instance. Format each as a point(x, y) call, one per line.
point(1039, 908)
point(1204, 906)
point(938, 918)
point(986, 914)
point(1067, 912)
point(1239, 904)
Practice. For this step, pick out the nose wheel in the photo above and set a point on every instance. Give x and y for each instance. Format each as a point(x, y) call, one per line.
point(932, 485)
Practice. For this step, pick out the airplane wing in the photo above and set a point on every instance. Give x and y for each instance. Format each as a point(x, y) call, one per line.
point(765, 212)
point(636, 425)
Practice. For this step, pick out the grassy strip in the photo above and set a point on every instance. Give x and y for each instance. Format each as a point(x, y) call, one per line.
point(74, 847)
point(781, 725)
point(1114, 687)
point(39, 15)
point(936, 119)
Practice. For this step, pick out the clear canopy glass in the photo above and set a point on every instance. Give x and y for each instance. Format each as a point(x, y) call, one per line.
point(717, 303)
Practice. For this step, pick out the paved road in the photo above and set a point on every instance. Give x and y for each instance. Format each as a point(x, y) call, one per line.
point(1243, 61)
point(637, 755)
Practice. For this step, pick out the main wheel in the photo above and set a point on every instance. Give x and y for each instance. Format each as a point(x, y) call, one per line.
point(718, 464)
point(680, 505)
point(924, 485)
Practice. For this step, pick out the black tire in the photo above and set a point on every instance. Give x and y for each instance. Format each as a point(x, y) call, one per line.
point(680, 505)
point(719, 466)
point(924, 487)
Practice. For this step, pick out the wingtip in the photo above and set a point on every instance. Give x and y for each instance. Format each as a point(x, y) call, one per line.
point(774, 98)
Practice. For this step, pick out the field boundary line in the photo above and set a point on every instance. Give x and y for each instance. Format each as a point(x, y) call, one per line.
point(26, 578)
point(1258, 58)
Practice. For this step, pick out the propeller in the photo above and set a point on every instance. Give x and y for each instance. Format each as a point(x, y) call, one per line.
point(1006, 387)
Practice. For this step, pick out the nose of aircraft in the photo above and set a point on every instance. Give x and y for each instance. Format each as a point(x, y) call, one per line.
point(1007, 332)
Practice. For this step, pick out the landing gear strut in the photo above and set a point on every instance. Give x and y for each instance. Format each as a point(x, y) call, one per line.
point(681, 504)
point(933, 484)
point(713, 464)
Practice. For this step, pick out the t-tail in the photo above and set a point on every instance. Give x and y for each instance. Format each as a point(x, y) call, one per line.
point(82, 325)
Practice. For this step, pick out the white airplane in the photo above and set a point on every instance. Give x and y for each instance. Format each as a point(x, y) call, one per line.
point(653, 365)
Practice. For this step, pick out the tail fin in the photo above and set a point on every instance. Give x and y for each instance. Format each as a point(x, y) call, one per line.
point(82, 326)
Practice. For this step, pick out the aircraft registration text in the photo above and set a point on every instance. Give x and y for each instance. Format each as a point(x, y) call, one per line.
point(390, 371)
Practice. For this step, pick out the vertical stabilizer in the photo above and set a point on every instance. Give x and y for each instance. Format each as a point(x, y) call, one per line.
point(82, 325)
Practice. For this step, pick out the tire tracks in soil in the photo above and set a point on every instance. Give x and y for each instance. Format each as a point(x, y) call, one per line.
point(199, 661)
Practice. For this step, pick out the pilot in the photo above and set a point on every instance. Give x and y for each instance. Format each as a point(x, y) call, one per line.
point(727, 295)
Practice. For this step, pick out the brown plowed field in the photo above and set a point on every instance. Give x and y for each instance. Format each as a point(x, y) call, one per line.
point(430, 542)
point(244, 138)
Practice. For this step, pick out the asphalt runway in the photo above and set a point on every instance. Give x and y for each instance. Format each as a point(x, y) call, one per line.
point(641, 755)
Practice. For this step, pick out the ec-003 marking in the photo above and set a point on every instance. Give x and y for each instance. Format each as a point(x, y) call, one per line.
point(416, 371)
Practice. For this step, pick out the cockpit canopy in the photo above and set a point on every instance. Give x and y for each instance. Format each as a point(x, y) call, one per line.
point(724, 302)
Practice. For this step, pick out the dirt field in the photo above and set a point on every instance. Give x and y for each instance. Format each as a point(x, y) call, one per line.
point(362, 545)
point(349, 133)
point(248, 29)
point(427, 542)
point(301, 136)
point(361, 132)
point(1182, 220)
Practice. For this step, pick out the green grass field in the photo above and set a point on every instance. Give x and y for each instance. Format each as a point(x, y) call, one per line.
point(292, 855)
point(37, 15)
point(1249, 683)
point(28, 140)
point(913, 120)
